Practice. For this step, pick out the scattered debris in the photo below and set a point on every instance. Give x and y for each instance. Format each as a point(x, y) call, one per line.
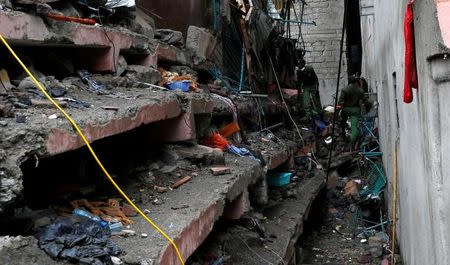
point(216, 171)
point(78, 239)
point(169, 36)
point(180, 207)
point(53, 116)
point(181, 182)
point(43, 103)
point(110, 108)
point(160, 189)
point(93, 85)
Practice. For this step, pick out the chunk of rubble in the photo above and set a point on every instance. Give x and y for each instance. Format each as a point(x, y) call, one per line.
point(195, 154)
point(216, 171)
point(169, 36)
point(143, 74)
point(200, 45)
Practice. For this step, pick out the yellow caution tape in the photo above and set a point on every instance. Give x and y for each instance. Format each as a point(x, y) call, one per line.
point(94, 155)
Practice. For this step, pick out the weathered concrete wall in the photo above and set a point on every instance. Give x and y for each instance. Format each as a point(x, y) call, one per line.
point(423, 144)
point(367, 41)
point(323, 43)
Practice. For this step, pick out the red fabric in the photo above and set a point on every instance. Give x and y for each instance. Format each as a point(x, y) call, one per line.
point(410, 56)
point(215, 140)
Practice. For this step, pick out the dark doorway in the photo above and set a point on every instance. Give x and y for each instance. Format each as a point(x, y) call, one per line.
point(354, 48)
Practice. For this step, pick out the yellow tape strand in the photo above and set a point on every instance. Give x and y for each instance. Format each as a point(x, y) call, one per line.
point(94, 155)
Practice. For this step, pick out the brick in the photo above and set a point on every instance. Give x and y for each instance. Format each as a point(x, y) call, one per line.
point(216, 171)
point(180, 182)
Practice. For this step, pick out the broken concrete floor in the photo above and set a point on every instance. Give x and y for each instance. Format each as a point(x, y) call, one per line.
point(41, 135)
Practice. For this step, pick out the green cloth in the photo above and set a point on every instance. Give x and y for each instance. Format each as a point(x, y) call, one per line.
point(353, 114)
point(311, 101)
point(352, 97)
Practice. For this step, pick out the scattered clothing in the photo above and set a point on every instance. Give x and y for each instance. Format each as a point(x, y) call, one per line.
point(241, 151)
point(78, 239)
point(93, 85)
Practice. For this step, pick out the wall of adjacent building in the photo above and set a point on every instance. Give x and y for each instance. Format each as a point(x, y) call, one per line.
point(322, 43)
point(421, 127)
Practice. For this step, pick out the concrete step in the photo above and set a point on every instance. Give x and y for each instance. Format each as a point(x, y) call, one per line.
point(40, 137)
point(284, 225)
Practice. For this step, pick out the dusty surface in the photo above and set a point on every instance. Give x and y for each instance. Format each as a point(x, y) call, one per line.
point(283, 224)
point(175, 211)
point(274, 150)
point(184, 205)
point(333, 243)
point(22, 140)
point(24, 250)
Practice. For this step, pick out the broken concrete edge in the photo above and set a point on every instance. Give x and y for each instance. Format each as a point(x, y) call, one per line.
point(285, 245)
point(173, 113)
point(282, 156)
point(188, 227)
point(283, 218)
point(103, 42)
point(178, 123)
point(299, 227)
point(60, 141)
point(193, 235)
point(200, 45)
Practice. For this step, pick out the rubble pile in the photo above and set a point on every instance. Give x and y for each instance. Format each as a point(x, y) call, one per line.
point(206, 132)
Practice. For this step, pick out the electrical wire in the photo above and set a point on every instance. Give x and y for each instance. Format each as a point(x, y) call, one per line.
point(109, 39)
point(337, 86)
point(394, 210)
point(298, 24)
point(284, 101)
point(276, 254)
point(94, 155)
point(254, 252)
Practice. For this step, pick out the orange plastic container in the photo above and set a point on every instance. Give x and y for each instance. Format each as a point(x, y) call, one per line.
point(229, 129)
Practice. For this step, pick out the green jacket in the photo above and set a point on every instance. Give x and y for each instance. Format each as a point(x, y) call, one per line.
point(351, 96)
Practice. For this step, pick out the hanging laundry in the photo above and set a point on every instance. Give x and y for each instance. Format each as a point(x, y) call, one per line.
point(410, 55)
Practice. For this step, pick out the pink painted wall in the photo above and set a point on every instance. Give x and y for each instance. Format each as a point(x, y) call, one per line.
point(178, 14)
point(443, 12)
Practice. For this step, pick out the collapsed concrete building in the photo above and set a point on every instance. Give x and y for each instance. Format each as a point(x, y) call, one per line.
point(110, 80)
point(235, 64)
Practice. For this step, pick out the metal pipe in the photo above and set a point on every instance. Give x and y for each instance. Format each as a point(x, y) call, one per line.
point(296, 21)
point(337, 86)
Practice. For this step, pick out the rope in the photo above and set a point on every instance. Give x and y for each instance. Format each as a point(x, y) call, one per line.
point(94, 155)
point(394, 210)
point(284, 101)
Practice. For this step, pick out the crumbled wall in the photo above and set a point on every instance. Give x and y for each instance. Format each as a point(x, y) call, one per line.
point(323, 42)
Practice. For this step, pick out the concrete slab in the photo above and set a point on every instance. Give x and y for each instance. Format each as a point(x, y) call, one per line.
point(20, 26)
point(285, 221)
point(42, 137)
point(206, 195)
point(208, 198)
point(101, 46)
